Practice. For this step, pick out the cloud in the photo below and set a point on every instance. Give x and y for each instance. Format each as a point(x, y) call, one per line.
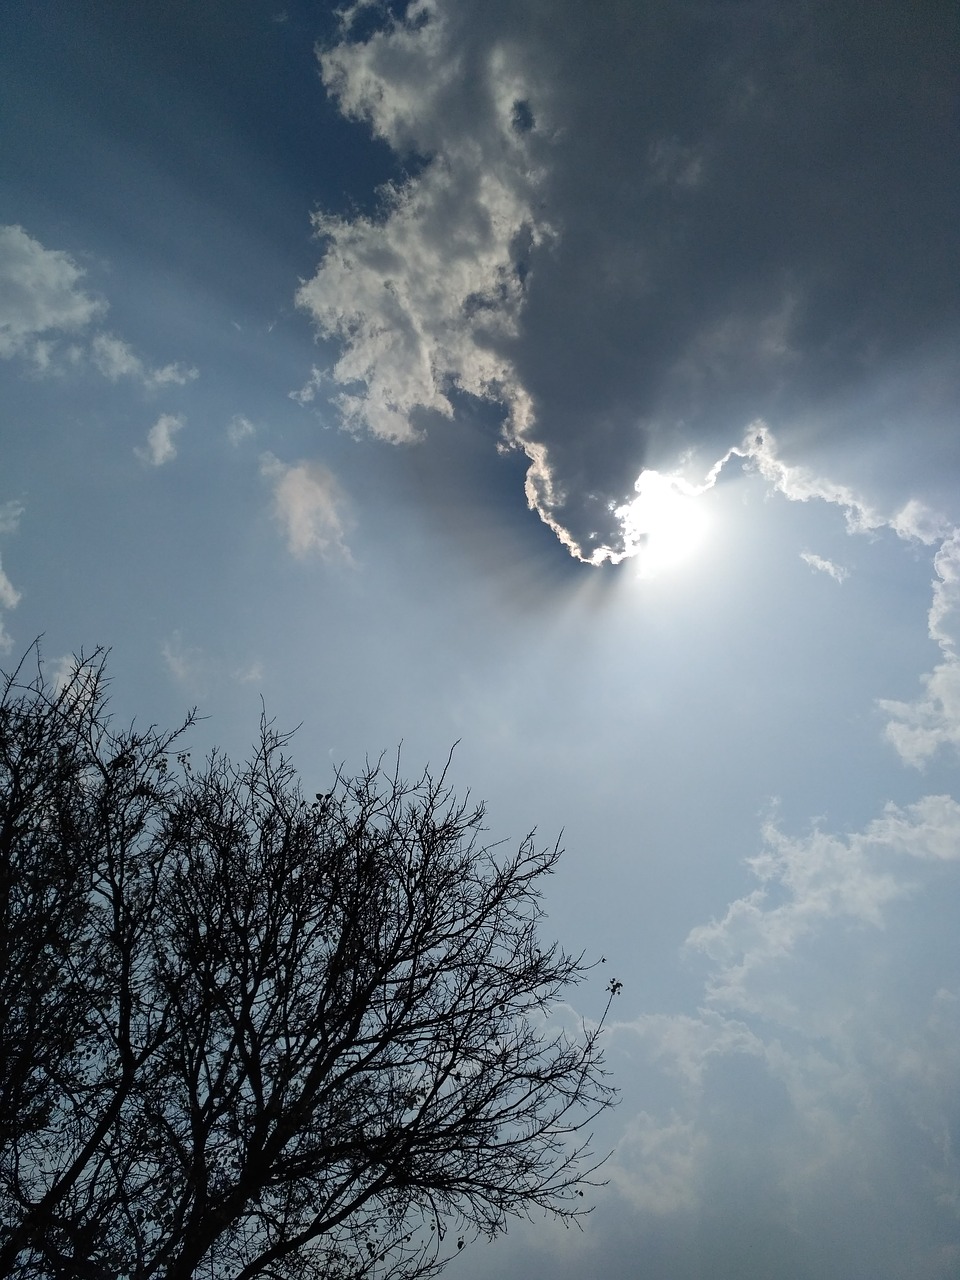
point(10, 513)
point(160, 447)
point(419, 295)
point(239, 429)
point(759, 451)
point(422, 296)
point(817, 1083)
point(116, 359)
point(835, 571)
point(251, 673)
point(9, 595)
point(185, 663)
point(635, 232)
point(919, 729)
point(42, 303)
point(806, 885)
point(310, 506)
point(9, 599)
point(40, 297)
point(657, 1161)
point(70, 671)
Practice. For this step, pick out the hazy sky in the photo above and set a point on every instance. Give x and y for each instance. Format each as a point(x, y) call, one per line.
point(578, 382)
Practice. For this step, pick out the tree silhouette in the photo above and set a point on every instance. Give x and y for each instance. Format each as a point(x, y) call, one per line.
point(243, 1033)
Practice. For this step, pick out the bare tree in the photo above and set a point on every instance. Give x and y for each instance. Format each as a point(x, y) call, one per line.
point(246, 1034)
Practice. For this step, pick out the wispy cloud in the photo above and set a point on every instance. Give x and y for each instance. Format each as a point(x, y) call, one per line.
point(46, 318)
point(116, 359)
point(10, 513)
point(808, 883)
point(185, 663)
point(759, 451)
point(819, 1072)
point(251, 673)
point(160, 447)
point(310, 507)
point(837, 572)
point(239, 429)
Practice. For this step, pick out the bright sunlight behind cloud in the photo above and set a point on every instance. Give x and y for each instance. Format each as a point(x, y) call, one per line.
point(663, 526)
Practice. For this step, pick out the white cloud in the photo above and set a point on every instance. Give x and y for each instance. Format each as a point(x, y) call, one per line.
point(657, 1163)
point(807, 885)
point(917, 522)
point(759, 450)
point(310, 506)
point(42, 303)
point(9, 595)
point(40, 297)
point(252, 673)
point(239, 429)
point(10, 513)
point(423, 297)
point(410, 297)
point(160, 447)
point(184, 663)
point(821, 1075)
point(835, 571)
point(72, 672)
point(116, 359)
point(820, 879)
point(920, 728)
point(799, 483)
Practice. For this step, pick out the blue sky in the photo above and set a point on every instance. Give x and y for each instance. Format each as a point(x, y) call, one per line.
point(333, 347)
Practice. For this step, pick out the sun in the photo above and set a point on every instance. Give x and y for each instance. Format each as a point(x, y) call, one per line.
point(664, 526)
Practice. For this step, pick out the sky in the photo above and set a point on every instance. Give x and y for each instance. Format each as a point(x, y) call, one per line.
point(577, 383)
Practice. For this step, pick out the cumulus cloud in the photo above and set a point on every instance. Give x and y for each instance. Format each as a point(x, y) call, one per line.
point(41, 297)
point(310, 507)
point(43, 306)
point(635, 232)
point(420, 296)
point(160, 447)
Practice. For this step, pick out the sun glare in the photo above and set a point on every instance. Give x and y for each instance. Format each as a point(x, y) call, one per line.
point(664, 525)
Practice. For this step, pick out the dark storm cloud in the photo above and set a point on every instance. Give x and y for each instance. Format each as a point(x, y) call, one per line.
point(640, 228)
point(755, 215)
